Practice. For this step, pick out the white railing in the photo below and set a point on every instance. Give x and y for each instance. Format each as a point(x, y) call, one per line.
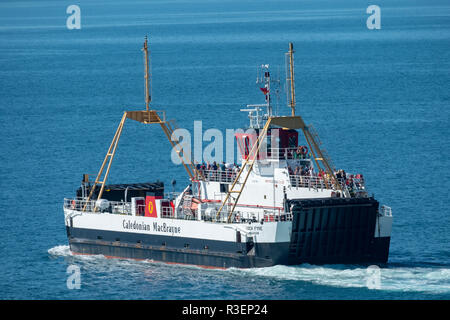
point(284, 153)
point(277, 217)
point(224, 176)
point(303, 181)
point(307, 181)
point(115, 207)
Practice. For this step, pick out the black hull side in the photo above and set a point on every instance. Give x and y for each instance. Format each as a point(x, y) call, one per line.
point(220, 254)
point(336, 231)
point(205, 253)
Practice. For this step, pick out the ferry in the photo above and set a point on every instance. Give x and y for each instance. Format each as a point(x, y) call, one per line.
point(285, 204)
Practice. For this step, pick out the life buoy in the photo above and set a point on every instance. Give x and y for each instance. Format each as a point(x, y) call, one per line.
point(304, 150)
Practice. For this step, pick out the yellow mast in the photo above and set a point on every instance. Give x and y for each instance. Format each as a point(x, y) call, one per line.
point(317, 153)
point(147, 117)
point(291, 78)
point(148, 97)
point(287, 122)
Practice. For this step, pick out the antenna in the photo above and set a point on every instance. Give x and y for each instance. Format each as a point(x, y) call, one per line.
point(265, 81)
point(147, 76)
point(290, 80)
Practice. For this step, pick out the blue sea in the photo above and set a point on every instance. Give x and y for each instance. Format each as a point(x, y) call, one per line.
point(379, 99)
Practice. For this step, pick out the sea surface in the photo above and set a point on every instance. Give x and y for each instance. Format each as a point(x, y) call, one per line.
point(379, 99)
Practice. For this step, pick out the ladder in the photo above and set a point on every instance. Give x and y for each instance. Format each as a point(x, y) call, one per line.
point(147, 117)
point(185, 155)
point(319, 154)
point(248, 167)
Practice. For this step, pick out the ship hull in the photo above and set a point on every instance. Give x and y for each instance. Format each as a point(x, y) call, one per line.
point(226, 256)
point(219, 254)
point(321, 231)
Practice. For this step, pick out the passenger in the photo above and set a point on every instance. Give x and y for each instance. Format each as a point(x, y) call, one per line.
point(297, 172)
point(310, 174)
point(304, 171)
point(208, 169)
point(298, 153)
point(235, 171)
point(203, 169)
point(290, 170)
point(291, 154)
point(214, 168)
point(198, 172)
point(229, 174)
point(223, 171)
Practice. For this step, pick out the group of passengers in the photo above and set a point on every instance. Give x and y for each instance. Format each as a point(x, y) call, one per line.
point(301, 152)
point(224, 172)
point(352, 181)
point(305, 176)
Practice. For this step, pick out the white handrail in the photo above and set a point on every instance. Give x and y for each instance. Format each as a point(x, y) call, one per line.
point(115, 207)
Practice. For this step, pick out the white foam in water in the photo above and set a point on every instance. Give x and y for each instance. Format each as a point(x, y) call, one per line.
point(416, 279)
point(429, 280)
point(62, 251)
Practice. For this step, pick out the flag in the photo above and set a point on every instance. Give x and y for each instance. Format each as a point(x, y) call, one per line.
point(264, 90)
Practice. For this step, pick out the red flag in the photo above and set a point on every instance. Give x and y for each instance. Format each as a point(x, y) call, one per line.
point(264, 90)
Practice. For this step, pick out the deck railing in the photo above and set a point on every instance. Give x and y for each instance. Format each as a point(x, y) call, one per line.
point(284, 153)
point(224, 176)
point(124, 208)
point(116, 207)
point(306, 181)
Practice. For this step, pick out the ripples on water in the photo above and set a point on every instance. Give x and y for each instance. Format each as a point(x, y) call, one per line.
point(159, 276)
